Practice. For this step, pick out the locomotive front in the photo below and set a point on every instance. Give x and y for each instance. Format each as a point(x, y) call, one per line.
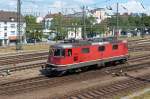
point(56, 62)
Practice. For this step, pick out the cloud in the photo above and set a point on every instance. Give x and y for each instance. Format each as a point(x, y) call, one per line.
point(12, 3)
point(131, 6)
point(134, 6)
point(44, 6)
point(58, 4)
point(85, 1)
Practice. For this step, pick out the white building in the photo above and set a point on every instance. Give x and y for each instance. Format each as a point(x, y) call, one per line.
point(39, 19)
point(8, 27)
point(47, 22)
point(75, 33)
point(100, 14)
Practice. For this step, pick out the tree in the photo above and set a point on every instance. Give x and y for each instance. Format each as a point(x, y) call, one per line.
point(33, 29)
point(57, 26)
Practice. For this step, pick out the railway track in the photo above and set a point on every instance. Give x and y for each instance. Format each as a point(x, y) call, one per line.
point(139, 58)
point(139, 40)
point(139, 48)
point(23, 67)
point(109, 91)
point(28, 57)
point(139, 45)
point(40, 64)
point(23, 58)
point(43, 55)
point(44, 82)
point(27, 85)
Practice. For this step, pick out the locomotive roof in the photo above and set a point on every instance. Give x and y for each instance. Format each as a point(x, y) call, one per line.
point(76, 43)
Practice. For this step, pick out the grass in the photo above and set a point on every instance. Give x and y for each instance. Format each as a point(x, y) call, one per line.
point(139, 53)
point(121, 95)
point(12, 49)
point(143, 96)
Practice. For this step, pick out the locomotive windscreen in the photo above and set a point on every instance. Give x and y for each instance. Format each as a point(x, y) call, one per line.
point(59, 52)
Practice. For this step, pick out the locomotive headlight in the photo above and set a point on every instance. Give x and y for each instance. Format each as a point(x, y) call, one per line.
point(124, 41)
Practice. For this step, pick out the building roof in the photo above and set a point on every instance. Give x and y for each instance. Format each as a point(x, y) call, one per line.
point(7, 16)
point(77, 14)
point(52, 15)
point(97, 9)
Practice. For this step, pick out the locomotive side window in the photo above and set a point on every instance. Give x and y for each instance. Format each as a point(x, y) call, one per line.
point(69, 52)
point(63, 52)
point(85, 50)
point(101, 48)
point(115, 47)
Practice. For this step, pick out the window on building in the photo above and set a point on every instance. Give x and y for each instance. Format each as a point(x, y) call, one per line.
point(85, 50)
point(71, 34)
point(77, 34)
point(20, 33)
point(5, 34)
point(21, 25)
point(12, 25)
point(5, 42)
point(5, 27)
point(115, 47)
point(12, 32)
point(101, 48)
point(12, 19)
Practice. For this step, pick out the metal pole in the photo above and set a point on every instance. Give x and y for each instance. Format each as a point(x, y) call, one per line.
point(142, 18)
point(117, 16)
point(19, 42)
point(84, 27)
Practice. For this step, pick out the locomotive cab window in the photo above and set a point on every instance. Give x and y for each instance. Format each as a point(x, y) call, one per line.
point(115, 47)
point(101, 48)
point(50, 51)
point(69, 52)
point(59, 52)
point(85, 50)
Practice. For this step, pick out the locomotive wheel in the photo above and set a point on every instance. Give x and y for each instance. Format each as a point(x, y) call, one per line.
point(78, 70)
point(48, 74)
point(84, 68)
point(123, 61)
point(59, 73)
point(71, 71)
point(99, 66)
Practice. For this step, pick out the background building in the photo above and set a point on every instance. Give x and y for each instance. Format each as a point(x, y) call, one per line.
point(47, 22)
point(100, 14)
point(8, 27)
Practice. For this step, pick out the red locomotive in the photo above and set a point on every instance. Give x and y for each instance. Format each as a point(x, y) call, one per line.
point(73, 55)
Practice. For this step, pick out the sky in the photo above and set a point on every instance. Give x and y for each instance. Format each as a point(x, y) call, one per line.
point(41, 7)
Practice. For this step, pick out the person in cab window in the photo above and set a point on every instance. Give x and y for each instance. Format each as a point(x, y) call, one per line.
point(69, 53)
